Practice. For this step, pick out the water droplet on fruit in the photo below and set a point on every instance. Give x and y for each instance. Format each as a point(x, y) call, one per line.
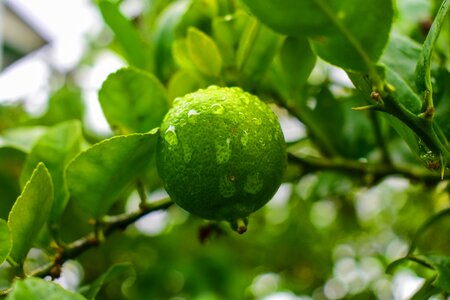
point(253, 183)
point(212, 88)
point(187, 152)
point(217, 109)
point(257, 121)
point(192, 116)
point(226, 186)
point(170, 136)
point(244, 99)
point(223, 151)
point(244, 138)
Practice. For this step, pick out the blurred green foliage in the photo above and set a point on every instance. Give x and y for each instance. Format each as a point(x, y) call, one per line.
point(361, 191)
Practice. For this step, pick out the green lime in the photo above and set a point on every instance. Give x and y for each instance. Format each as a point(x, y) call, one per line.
point(221, 153)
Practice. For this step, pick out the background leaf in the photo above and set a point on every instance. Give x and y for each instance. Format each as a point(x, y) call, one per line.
point(30, 212)
point(112, 273)
point(203, 52)
point(360, 32)
point(127, 36)
point(98, 176)
point(63, 105)
point(292, 66)
point(55, 149)
point(34, 288)
point(442, 266)
point(11, 162)
point(5, 241)
point(164, 36)
point(257, 48)
point(139, 94)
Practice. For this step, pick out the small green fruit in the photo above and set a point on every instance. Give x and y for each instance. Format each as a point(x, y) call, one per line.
point(221, 153)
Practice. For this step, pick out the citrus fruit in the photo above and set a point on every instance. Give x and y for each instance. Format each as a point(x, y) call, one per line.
point(221, 153)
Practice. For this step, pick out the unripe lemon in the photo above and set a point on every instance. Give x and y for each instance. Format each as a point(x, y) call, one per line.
point(221, 153)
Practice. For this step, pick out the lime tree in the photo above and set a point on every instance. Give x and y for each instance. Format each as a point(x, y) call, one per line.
point(221, 154)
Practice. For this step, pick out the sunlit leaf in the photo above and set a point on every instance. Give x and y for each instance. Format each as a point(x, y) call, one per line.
point(55, 149)
point(34, 288)
point(21, 138)
point(203, 52)
point(30, 212)
point(97, 177)
point(133, 101)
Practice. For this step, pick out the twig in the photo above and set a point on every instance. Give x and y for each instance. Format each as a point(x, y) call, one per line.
point(378, 171)
point(110, 225)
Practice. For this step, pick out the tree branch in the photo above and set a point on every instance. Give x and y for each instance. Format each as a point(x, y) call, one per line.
point(378, 171)
point(109, 225)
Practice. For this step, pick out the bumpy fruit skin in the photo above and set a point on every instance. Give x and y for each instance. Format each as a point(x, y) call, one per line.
point(221, 153)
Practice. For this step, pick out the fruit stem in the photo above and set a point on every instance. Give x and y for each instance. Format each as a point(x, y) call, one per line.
point(240, 225)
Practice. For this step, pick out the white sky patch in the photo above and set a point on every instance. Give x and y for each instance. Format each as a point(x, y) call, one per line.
point(68, 25)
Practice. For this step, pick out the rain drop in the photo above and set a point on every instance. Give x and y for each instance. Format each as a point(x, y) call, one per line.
point(170, 136)
point(223, 151)
point(253, 183)
point(192, 116)
point(244, 138)
point(187, 152)
point(217, 109)
point(257, 121)
point(226, 186)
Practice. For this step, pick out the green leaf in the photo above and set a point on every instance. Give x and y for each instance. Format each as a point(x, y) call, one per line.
point(403, 92)
point(297, 60)
point(11, 162)
point(164, 37)
point(97, 177)
point(441, 264)
point(226, 32)
point(127, 36)
point(325, 134)
point(181, 55)
point(347, 35)
point(30, 212)
point(113, 272)
point(292, 17)
point(21, 138)
point(257, 48)
point(401, 56)
point(65, 104)
point(181, 83)
point(5, 241)
point(34, 288)
point(204, 52)
point(133, 100)
point(55, 149)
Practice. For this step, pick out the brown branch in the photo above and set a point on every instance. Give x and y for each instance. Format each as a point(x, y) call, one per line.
point(108, 225)
point(378, 171)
